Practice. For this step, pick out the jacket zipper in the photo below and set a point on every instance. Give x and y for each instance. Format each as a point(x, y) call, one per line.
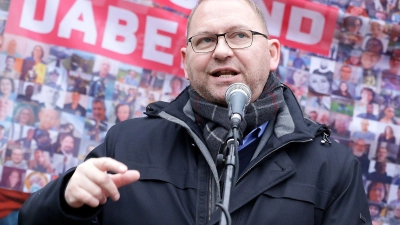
point(302, 141)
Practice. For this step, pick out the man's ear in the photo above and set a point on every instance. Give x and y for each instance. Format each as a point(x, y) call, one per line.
point(275, 53)
point(183, 60)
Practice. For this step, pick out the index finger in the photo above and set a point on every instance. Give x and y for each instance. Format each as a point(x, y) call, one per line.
point(109, 164)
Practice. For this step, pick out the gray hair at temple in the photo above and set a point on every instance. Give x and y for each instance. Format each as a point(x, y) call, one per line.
point(251, 3)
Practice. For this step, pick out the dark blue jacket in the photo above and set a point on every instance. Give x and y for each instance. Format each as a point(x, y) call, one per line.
point(294, 178)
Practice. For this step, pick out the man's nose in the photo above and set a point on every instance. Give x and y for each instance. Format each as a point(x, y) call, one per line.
point(222, 49)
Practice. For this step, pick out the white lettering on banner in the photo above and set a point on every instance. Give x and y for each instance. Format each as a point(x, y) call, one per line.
point(317, 26)
point(276, 15)
point(71, 22)
point(187, 4)
point(44, 26)
point(114, 28)
point(153, 39)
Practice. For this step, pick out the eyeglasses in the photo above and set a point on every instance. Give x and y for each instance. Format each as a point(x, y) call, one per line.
point(203, 43)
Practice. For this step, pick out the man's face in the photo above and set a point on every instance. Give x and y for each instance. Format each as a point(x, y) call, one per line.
point(369, 60)
point(6, 86)
point(381, 155)
point(48, 118)
point(99, 111)
point(17, 155)
point(364, 125)
point(345, 73)
point(211, 73)
point(104, 69)
point(10, 63)
point(75, 97)
point(51, 96)
point(67, 144)
point(376, 29)
point(359, 148)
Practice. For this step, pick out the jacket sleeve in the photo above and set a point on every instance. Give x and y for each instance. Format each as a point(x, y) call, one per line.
point(351, 205)
point(48, 205)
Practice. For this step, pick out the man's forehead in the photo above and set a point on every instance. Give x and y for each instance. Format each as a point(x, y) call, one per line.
point(207, 15)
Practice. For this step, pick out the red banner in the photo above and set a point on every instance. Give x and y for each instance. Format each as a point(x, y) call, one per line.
point(151, 37)
point(127, 32)
point(183, 6)
point(300, 24)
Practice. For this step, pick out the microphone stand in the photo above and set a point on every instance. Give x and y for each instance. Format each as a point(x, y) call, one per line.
point(231, 168)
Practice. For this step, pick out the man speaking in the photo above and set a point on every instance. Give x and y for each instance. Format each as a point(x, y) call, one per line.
point(290, 172)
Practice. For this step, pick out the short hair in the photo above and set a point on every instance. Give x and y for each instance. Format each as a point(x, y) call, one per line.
point(251, 3)
point(350, 20)
point(99, 100)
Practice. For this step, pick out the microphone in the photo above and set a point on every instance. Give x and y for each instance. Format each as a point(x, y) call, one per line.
point(238, 96)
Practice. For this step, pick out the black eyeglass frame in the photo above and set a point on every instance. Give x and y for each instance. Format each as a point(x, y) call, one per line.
point(223, 34)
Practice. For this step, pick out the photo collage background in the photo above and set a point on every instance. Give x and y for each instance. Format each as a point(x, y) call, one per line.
point(56, 104)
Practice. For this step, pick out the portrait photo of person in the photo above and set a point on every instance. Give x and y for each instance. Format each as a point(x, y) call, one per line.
point(297, 81)
point(365, 96)
point(319, 84)
point(49, 119)
point(377, 191)
point(391, 76)
point(25, 115)
point(53, 79)
point(35, 180)
point(17, 159)
point(50, 98)
point(96, 124)
point(343, 91)
point(387, 135)
point(34, 66)
point(322, 66)
point(9, 69)
point(74, 104)
point(26, 91)
point(123, 112)
point(376, 30)
point(40, 161)
point(340, 125)
point(299, 60)
point(173, 86)
point(368, 112)
point(7, 88)
point(102, 84)
point(360, 149)
point(387, 115)
point(6, 108)
point(12, 178)
point(132, 78)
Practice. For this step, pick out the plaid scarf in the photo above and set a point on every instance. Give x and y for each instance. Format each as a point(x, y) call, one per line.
point(215, 122)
